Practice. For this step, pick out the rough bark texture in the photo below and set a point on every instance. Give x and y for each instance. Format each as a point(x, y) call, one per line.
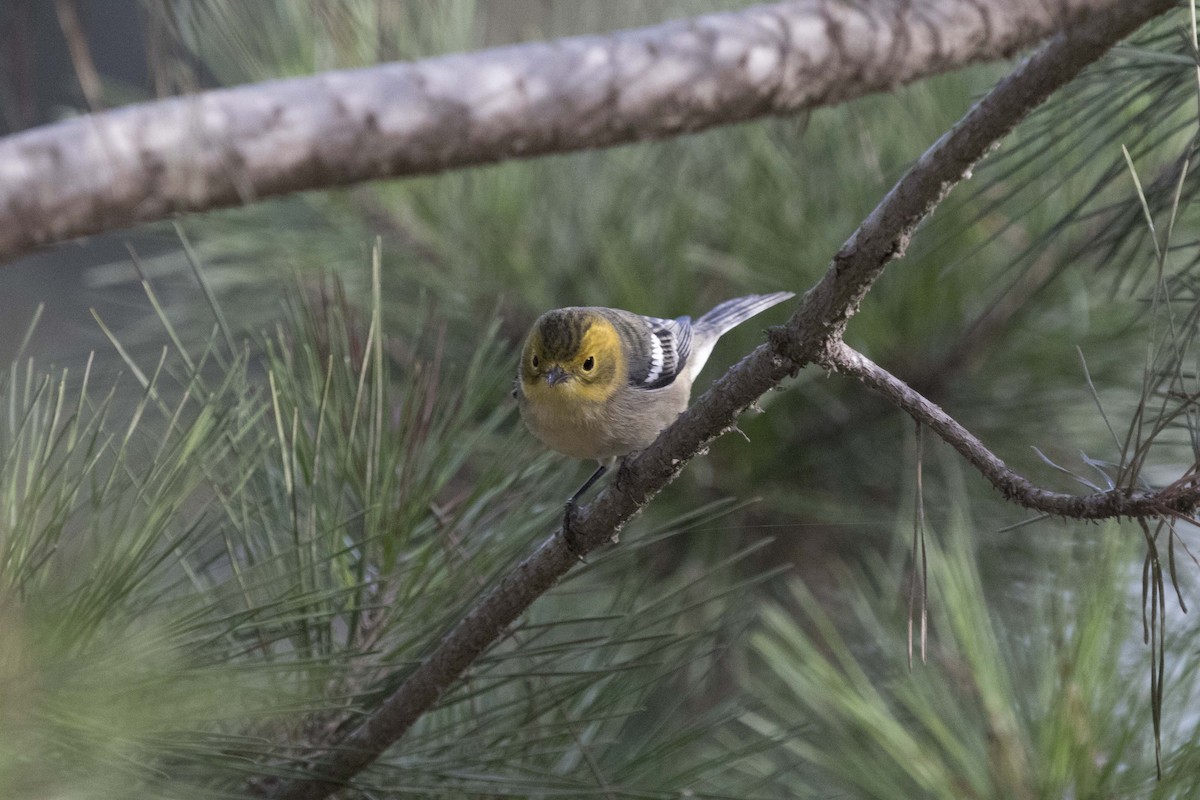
point(812, 335)
point(139, 163)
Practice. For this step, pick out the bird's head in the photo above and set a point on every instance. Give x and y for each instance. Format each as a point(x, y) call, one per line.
point(572, 354)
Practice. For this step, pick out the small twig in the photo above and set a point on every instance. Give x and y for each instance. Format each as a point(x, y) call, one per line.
point(81, 54)
point(1180, 498)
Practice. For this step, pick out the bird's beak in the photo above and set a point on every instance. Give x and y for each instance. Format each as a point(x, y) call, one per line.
point(556, 375)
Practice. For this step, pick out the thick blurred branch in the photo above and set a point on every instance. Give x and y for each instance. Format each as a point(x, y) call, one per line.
point(812, 334)
point(140, 163)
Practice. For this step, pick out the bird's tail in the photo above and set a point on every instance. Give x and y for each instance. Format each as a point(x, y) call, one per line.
point(728, 315)
point(725, 317)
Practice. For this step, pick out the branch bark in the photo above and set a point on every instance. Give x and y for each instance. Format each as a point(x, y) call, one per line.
point(145, 162)
point(812, 334)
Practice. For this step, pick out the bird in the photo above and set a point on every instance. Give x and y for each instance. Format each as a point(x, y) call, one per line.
point(602, 383)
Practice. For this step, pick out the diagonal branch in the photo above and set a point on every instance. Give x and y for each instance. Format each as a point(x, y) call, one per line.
point(812, 334)
point(1180, 498)
point(216, 149)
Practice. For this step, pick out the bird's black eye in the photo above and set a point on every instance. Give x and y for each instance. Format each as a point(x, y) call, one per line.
point(588, 364)
point(534, 361)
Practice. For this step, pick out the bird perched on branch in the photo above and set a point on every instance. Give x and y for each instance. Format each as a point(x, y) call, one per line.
point(601, 383)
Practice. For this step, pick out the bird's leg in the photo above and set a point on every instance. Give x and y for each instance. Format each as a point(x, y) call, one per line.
point(568, 525)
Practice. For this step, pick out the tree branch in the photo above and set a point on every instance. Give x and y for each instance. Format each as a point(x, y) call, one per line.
point(221, 148)
point(811, 334)
point(1180, 498)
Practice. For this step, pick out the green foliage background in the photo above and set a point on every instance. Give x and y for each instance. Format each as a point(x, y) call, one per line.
point(311, 483)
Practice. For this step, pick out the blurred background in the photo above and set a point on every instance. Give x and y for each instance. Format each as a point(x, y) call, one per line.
point(750, 630)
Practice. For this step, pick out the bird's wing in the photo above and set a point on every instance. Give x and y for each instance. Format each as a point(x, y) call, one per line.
point(668, 343)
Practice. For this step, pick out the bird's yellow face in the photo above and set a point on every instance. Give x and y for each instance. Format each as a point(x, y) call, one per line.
point(572, 356)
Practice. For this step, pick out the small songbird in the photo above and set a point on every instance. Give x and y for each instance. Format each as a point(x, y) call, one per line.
point(603, 383)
